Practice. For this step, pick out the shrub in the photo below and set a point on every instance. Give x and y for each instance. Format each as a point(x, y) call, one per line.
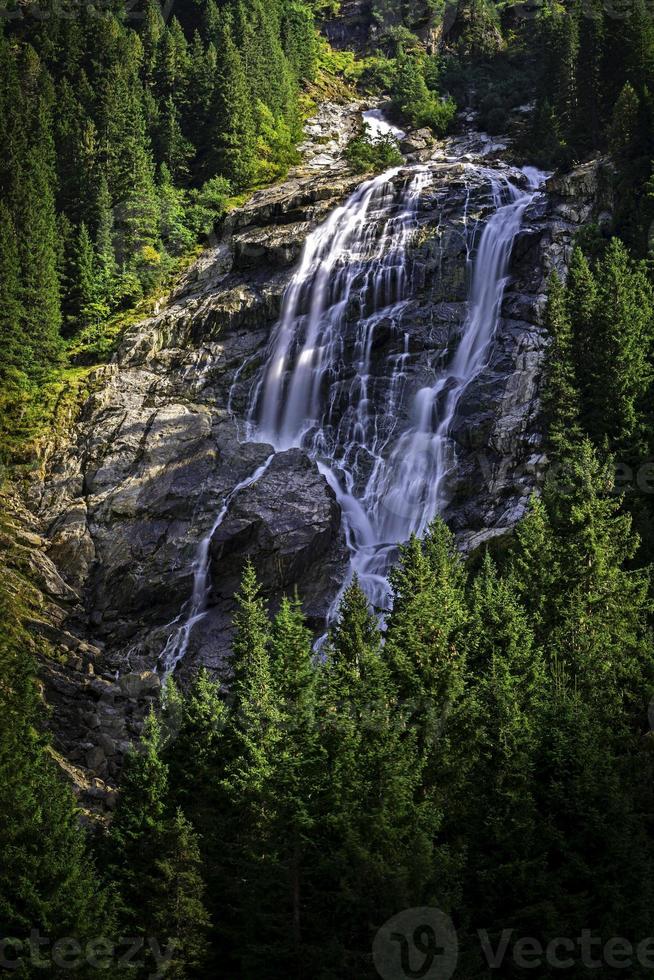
point(368, 155)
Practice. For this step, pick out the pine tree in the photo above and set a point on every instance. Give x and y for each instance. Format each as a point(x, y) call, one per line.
point(623, 338)
point(590, 77)
point(623, 132)
point(355, 646)
point(589, 612)
point(560, 395)
point(269, 77)
point(104, 244)
point(591, 834)
point(638, 40)
point(300, 40)
point(375, 827)
point(193, 727)
point(581, 308)
point(423, 638)
point(129, 165)
point(296, 772)
point(246, 828)
point(544, 135)
point(151, 34)
point(202, 82)
point(494, 818)
point(560, 46)
point(35, 215)
point(138, 827)
point(232, 141)
point(85, 275)
point(174, 150)
point(152, 855)
point(13, 353)
point(196, 755)
point(252, 629)
point(49, 882)
point(178, 912)
point(173, 65)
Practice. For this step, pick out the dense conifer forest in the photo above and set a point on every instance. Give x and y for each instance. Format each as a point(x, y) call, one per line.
point(486, 749)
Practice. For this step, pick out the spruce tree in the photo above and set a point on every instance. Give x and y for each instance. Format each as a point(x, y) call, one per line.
point(423, 647)
point(624, 329)
point(247, 823)
point(40, 301)
point(560, 393)
point(376, 828)
point(232, 140)
point(560, 47)
point(591, 829)
point(85, 274)
point(104, 243)
point(48, 882)
point(590, 612)
point(195, 752)
point(138, 827)
point(178, 911)
point(590, 77)
point(13, 352)
point(152, 855)
point(493, 818)
point(581, 308)
point(297, 767)
point(174, 150)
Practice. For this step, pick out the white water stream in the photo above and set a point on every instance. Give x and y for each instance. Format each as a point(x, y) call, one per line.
point(195, 608)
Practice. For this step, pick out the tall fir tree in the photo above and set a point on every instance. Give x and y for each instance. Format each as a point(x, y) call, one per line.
point(49, 884)
point(423, 640)
point(232, 144)
point(590, 611)
point(560, 397)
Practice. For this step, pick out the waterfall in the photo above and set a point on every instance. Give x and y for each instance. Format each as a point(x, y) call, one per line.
point(379, 127)
point(314, 390)
point(322, 388)
point(345, 261)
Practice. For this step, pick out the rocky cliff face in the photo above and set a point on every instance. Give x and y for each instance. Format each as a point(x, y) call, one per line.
point(158, 450)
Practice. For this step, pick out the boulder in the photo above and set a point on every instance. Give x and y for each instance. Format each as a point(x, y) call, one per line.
point(140, 685)
point(288, 522)
point(418, 145)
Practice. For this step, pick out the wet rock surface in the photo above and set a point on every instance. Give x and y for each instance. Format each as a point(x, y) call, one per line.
point(159, 446)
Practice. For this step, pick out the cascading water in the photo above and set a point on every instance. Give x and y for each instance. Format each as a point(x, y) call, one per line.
point(314, 388)
point(323, 389)
point(345, 261)
point(411, 489)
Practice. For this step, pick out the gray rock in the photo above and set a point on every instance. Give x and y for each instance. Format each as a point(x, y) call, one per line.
point(95, 758)
point(418, 141)
point(288, 522)
point(140, 685)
